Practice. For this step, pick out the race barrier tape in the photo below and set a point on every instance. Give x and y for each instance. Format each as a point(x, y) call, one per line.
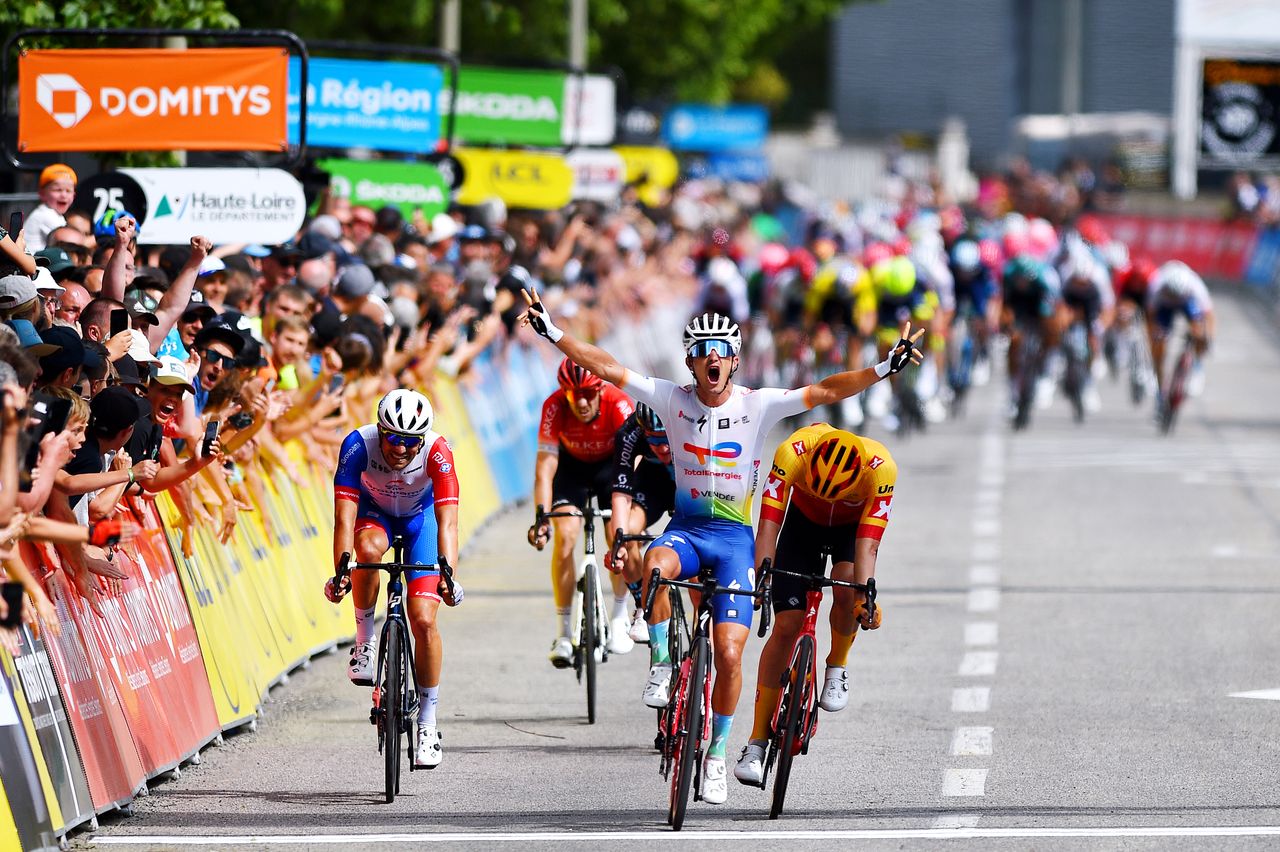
point(200, 630)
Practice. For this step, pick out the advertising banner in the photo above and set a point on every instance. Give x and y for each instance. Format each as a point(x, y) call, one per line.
point(501, 106)
point(598, 173)
point(743, 166)
point(528, 179)
point(408, 186)
point(590, 110)
point(1210, 247)
point(359, 103)
point(23, 780)
point(202, 99)
point(1240, 113)
point(701, 127)
point(263, 206)
point(654, 169)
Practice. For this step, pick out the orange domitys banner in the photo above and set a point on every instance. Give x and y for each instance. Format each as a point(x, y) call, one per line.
point(202, 99)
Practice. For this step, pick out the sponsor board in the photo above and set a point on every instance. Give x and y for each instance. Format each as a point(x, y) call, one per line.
point(358, 103)
point(598, 174)
point(702, 127)
point(407, 186)
point(590, 110)
point(529, 179)
point(506, 106)
point(1239, 113)
point(202, 99)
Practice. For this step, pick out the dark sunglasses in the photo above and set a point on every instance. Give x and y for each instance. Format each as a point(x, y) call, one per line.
point(409, 442)
point(703, 348)
point(217, 358)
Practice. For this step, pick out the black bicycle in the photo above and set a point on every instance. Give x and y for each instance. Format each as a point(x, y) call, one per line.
point(590, 617)
point(395, 696)
point(685, 723)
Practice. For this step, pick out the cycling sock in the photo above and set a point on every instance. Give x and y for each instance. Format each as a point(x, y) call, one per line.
point(840, 645)
point(427, 697)
point(659, 653)
point(720, 726)
point(565, 613)
point(621, 608)
point(635, 592)
point(766, 702)
point(365, 624)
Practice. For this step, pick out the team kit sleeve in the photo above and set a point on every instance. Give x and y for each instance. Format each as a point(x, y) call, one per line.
point(353, 459)
point(624, 455)
point(444, 476)
point(777, 403)
point(654, 392)
point(875, 514)
point(549, 425)
point(777, 486)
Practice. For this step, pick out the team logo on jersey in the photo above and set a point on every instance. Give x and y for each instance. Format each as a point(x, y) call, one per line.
point(722, 454)
point(798, 447)
point(684, 416)
point(773, 488)
point(702, 422)
point(875, 462)
point(723, 423)
point(882, 508)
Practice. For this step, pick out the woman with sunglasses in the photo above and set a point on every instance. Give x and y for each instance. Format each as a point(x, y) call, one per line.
point(396, 478)
point(575, 462)
point(717, 432)
point(643, 491)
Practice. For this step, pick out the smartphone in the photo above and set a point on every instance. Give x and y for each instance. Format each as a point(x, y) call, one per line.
point(15, 224)
point(119, 321)
point(336, 383)
point(210, 433)
point(49, 414)
point(12, 593)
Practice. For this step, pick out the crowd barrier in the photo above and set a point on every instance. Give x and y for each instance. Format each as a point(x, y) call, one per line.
point(200, 630)
point(1213, 248)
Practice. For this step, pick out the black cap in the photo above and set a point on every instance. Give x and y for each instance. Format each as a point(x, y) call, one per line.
point(286, 250)
point(127, 371)
point(198, 306)
point(72, 354)
point(313, 245)
point(251, 355)
point(113, 409)
point(222, 333)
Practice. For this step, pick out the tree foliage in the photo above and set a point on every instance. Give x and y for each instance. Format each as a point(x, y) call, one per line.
point(166, 14)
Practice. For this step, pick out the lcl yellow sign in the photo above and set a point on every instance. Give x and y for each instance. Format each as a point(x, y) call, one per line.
point(533, 180)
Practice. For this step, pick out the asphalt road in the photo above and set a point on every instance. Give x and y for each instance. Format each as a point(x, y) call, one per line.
point(1068, 613)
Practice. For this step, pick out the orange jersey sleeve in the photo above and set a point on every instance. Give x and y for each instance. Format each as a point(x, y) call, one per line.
point(879, 503)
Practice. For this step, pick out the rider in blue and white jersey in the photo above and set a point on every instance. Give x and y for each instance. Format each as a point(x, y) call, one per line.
point(717, 431)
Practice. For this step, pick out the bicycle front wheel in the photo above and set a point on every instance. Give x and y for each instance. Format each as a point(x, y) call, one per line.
point(393, 707)
point(590, 635)
point(787, 740)
point(690, 733)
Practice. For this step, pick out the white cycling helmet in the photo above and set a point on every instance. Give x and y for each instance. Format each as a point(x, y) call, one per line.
point(713, 327)
point(1179, 278)
point(405, 411)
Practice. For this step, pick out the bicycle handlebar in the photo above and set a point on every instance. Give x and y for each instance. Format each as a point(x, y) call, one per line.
point(345, 566)
point(815, 581)
point(590, 511)
point(707, 585)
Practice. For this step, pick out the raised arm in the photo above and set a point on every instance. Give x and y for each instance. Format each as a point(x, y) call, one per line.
point(840, 386)
point(178, 296)
point(584, 354)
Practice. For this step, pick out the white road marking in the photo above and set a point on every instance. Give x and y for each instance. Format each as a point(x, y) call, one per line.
point(986, 549)
point(954, 821)
point(662, 833)
point(1225, 551)
point(965, 782)
point(971, 742)
point(971, 699)
point(981, 633)
point(984, 600)
point(991, 477)
point(1265, 694)
point(978, 664)
point(984, 575)
point(987, 495)
point(986, 527)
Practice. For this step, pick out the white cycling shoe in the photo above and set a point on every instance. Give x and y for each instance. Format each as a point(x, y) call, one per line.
point(715, 781)
point(835, 689)
point(429, 752)
point(750, 768)
point(561, 655)
point(639, 629)
point(619, 641)
point(360, 666)
point(657, 692)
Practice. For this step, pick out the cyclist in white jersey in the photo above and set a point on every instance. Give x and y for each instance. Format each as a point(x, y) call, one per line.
point(717, 431)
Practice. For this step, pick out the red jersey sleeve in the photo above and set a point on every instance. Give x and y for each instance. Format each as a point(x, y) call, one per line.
point(549, 425)
point(444, 478)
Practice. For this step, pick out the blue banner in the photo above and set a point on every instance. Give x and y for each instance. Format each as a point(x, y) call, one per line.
point(750, 168)
point(1265, 262)
point(358, 103)
point(701, 127)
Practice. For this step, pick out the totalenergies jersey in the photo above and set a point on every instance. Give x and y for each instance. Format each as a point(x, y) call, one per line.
point(591, 441)
point(716, 452)
point(868, 507)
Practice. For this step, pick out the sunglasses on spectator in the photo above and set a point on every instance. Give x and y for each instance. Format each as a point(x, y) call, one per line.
point(409, 442)
point(657, 439)
point(216, 358)
point(703, 348)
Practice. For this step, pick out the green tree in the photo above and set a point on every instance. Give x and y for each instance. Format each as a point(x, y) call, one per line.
point(172, 14)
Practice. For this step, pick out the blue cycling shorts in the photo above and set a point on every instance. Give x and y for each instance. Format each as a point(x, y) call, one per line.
point(419, 533)
point(724, 547)
point(1165, 314)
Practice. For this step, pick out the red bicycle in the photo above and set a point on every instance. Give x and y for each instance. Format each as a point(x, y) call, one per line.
point(795, 719)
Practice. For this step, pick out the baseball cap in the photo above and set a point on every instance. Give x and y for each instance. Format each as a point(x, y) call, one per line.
point(473, 232)
point(141, 305)
point(139, 347)
point(71, 352)
point(354, 281)
point(255, 250)
point(198, 305)
point(57, 171)
point(327, 226)
point(16, 289)
point(127, 372)
point(443, 227)
point(251, 355)
point(315, 244)
point(113, 409)
point(286, 250)
point(222, 333)
point(172, 371)
point(210, 265)
point(57, 260)
point(30, 339)
point(44, 281)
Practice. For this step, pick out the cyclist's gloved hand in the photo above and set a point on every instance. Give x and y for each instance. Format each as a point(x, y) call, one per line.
point(451, 593)
point(540, 532)
point(539, 318)
point(336, 594)
point(903, 354)
point(860, 615)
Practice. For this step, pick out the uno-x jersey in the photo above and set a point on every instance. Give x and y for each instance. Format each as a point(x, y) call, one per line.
point(788, 479)
point(429, 479)
point(716, 451)
point(588, 442)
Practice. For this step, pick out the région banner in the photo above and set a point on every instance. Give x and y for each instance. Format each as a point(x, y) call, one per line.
point(202, 99)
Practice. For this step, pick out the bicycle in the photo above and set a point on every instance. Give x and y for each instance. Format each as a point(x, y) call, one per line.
point(619, 542)
point(685, 723)
point(395, 700)
point(590, 618)
point(1075, 346)
point(1177, 391)
point(795, 718)
point(961, 355)
point(1028, 371)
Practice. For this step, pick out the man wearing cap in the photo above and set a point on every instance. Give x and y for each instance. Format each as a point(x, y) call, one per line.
point(62, 368)
point(217, 345)
point(351, 290)
point(281, 266)
point(177, 299)
point(440, 239)
point(473, 245)
point(57, 261)
point(18, 296)
point(182, 336)
point(211, 281)
point(57, 191)
point(49, 292)
point(153, 433)
point(113, 414)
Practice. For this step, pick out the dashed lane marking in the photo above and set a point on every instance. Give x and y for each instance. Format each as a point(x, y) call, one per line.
point(965, 782)
point(972, 742)
point(971, 699)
